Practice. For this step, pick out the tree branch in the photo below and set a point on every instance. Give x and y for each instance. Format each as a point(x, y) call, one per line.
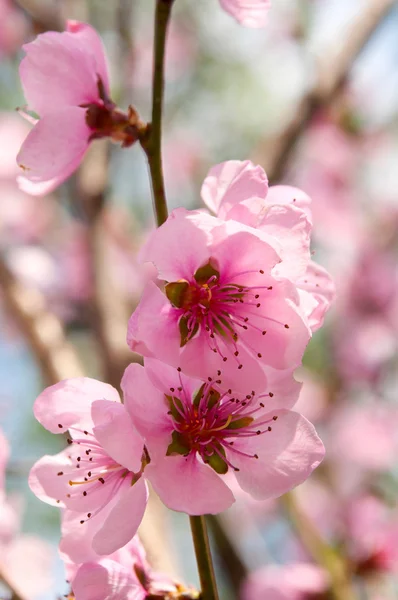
point(332, 72)
point(41, 328)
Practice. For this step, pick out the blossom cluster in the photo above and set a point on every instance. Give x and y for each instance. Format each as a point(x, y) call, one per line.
point(222, 328)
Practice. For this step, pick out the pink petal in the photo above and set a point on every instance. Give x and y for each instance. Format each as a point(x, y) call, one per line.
point(39, 188)
point(145, 403)
point(287, 456)
point(284, 388)
point(58, 72)
point(292, 229)
point(115, 432)
point(55, 146)
point(153, 327)
point(107, 580)
point(281, 347)
point(231, 182)
point(286, 194)
point(187, 485)
point(317, 292)
point(123, 521)
point(68, 403)
point(55, 489)
point(178, 248)
point(238, 250)
point(90, 40)
point(197, 360)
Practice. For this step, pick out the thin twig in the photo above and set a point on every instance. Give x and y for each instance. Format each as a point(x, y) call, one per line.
point(332, 72)
point(41, 328)
point(203, 558)
point(152, 142)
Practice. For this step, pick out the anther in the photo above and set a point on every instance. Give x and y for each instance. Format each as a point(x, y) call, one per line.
point(101, 479)
point(261, 271)
point(274, 418)
point(240, 366)
point(286, 326)
point(84, 493)
point(269, 428)
point(271, 395)
point(60, 473)
point(259, 355)
point(60, 426)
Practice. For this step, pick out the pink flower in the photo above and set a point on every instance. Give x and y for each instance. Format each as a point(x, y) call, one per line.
point(65, 80)
point(239, 190)
point(250, 13)
point(124, 575)
point(297, 581)
point(223, 314)
point(196, 434)
point(97, 479)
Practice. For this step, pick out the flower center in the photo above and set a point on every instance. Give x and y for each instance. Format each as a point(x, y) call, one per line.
point(210, 423)
point(224, 310)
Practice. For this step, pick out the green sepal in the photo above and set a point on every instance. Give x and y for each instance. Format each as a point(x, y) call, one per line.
point(198, 396)
point(185, 334)
point(203, 274)
point(240, 423)
point(216, 462)
point(176, 292)
point(178, 445)
point(175, 404)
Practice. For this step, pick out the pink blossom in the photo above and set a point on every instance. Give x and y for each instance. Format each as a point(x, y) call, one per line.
point(13, 26)
point(196, 434)
point(250, 13)
point(65, 81)
point(239, 190)
point(297, 581)
point(124, 575)
point(223, 314)
point(97, 479)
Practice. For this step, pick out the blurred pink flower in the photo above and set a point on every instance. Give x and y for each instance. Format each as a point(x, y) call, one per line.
point(223, 314)
point(13, 27)
point(372, 538)
point(123, 575)
point(97, 479)
point(297, 581)
point(250, 13)
point(195, 435)
point(364, 435)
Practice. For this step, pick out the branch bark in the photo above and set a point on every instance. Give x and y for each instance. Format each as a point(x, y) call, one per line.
point(41, 328)
point(332, 72)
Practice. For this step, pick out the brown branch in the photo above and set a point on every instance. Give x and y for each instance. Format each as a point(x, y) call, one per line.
point(41, 328)
point(332, 72)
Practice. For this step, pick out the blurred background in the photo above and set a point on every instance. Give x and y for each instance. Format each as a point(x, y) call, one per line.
point(313, 98)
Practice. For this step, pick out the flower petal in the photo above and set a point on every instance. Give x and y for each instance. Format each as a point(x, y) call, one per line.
point(230, 182)
point(287, 455)
point(249, 13)
point(153, 327)
point(55, 146)
point(90, 40)
point(68, 403)
point(108, 580)
point(187, 485)
point(123, 521)
point(115, 432)
point(178, 247)
point(58, 72)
